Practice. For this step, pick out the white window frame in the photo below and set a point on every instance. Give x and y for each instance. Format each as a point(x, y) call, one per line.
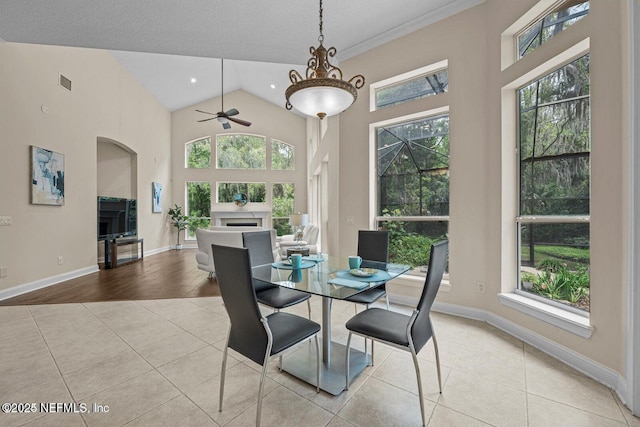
point(510, 261)
point(242, 134)
point(429, 69)
point(186, 157)
point(293, 148)
point(374, 219)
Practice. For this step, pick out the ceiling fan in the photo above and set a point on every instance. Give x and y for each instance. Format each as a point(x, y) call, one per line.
point(222, 116)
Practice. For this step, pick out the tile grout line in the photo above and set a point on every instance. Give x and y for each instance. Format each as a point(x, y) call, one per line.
point(156, 368)
point(55, 362)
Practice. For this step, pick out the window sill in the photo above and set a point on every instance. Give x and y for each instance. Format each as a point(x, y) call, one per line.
point(555, 316)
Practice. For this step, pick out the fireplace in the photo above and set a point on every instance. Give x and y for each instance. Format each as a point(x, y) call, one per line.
point(238, 218)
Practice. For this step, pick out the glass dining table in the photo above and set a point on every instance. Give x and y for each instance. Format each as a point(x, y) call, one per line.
point(330, 278)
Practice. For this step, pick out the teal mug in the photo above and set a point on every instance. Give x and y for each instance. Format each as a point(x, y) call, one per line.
point(295, 260)
point(354, 262)
point(296, 276)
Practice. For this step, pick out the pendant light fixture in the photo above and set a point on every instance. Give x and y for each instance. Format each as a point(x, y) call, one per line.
point(323, 93)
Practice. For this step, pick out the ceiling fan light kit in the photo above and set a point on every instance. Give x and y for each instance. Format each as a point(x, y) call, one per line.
point(323, 92)
point(222, 116)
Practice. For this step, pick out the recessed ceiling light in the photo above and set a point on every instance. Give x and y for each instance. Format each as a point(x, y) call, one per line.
point(193, 80)
point(273, 86)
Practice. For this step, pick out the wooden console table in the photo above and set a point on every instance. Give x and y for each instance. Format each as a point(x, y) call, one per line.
point(111, 251)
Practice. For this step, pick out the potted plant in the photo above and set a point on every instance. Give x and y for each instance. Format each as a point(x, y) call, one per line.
point(179, 221)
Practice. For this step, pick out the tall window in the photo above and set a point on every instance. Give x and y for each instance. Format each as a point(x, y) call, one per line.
point(282, 156)
point(255, 191)
point(557, 20)
point(198, 154)
point(413, 186)
point(241, 151)
point(198, 206)
point(282, 199)
point(554, 158)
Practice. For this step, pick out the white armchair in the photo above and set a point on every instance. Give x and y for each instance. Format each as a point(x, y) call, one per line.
point(226, 236)
point(309, 240)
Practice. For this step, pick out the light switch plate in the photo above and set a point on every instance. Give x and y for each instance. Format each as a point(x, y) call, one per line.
point(6, 220)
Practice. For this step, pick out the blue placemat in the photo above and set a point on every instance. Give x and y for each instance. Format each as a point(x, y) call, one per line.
point(281, 265)
point(380, 276)
point(348, 283)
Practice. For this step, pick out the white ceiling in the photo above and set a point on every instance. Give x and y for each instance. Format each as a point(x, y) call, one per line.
point(164, 43)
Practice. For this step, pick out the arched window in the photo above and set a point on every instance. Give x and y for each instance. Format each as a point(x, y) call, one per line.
point(241, 151)
point(197, 154)
point(282, 156)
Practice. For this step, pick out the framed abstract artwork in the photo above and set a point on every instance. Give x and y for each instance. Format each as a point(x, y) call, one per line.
point(156, 192)
point(47, 177)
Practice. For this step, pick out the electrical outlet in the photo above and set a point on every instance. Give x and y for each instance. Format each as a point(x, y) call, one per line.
point(6, 220)
point(3, 271)
point(350, 220)
point(480, 286)
point(60, 260)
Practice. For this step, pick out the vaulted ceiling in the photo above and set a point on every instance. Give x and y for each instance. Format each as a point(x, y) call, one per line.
point(165, 43)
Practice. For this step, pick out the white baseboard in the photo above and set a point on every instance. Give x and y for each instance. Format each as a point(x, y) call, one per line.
point(158, 250)
point(590, 368)
point(47, 281)
point(53, 280)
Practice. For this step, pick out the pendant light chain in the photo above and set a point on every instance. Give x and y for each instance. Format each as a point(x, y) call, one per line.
point(321, 37)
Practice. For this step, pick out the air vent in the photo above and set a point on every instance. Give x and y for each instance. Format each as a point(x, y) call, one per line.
point(65, 82)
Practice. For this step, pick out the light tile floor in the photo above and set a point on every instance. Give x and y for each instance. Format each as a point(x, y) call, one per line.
point(158, 363)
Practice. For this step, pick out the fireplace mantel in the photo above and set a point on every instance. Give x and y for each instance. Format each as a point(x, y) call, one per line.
point(224, 217)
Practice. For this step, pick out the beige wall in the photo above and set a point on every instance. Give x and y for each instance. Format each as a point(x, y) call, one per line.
point(470, 41)
point(116, 170)
point(105, 102)
point(266, 120)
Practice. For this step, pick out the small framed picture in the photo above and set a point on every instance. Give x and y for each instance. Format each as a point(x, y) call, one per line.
point(156, 192)
point(47, 177)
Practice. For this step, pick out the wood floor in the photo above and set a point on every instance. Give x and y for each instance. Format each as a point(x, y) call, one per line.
point(170, 274)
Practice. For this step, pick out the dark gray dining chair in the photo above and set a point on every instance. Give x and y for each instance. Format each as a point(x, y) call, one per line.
point(373, 248)
point(260, 253)
point(408, 333)
point(251, 334)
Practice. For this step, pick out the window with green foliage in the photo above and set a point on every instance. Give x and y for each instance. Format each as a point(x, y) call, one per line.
point(241, 151)
point(555, 21)
point(255, 191)
point(282, 156)
point(415, 88)
point(198, 206)
point(413, 187)
point(554, 174)
point(198, 154)
point(282, 200)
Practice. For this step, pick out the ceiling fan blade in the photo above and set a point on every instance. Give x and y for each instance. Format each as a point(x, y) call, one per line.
point(206, 120)
point(232, 112)
point(240, 121)
point(205, 112)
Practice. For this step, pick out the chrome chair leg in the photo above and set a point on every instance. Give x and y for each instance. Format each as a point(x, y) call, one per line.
point(372, 344)
point(317, 364)
point(419, 378)
point(346, 365)
point(224, 368)
point(309, 307)
point(435, 346)
point(386, 297)
point(261, 389)
point(366, 347)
